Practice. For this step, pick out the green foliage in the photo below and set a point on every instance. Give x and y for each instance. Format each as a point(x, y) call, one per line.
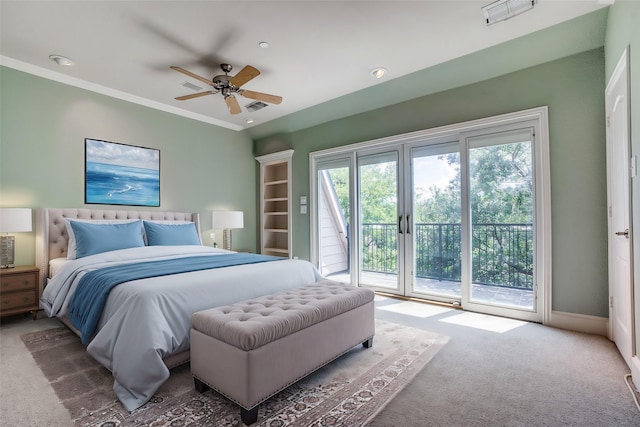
point(501, 184)
point(378, 193)
point(441, 205)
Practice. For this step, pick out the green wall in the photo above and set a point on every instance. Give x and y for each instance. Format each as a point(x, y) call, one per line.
point(204, 167)
point(572, 88)
point(623, 30)
point(44, 123)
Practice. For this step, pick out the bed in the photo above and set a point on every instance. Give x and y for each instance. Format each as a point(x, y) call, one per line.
point(143, 327)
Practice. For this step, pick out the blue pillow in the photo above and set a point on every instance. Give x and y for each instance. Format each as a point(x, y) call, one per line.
point(171, 234)
point(93, 239)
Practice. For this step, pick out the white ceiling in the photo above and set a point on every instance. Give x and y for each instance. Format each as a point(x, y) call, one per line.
point(319, 50)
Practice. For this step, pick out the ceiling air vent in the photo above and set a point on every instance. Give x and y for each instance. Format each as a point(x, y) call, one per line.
point(191, 86)
point(505, 9)
point(255, 106)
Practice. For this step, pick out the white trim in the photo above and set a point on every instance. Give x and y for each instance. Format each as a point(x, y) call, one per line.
point(543, 217)
point(578, 322)
point(280, 155)
point(314, 238)
point(103, 90)
point(635, 371)
point(538, 113)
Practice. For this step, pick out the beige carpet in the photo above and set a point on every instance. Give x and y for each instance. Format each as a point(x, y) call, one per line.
point(347, 392)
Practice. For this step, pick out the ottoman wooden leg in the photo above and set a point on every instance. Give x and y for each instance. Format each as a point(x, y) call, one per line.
point(249, 416)
point(368, 343)
point(200, 386)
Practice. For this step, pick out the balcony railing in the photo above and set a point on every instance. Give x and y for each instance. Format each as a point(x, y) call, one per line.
point(502, 254)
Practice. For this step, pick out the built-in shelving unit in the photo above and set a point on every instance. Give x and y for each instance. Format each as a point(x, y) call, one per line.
point(275, 203)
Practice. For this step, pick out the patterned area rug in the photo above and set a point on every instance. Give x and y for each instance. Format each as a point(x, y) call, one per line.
point(347, 392)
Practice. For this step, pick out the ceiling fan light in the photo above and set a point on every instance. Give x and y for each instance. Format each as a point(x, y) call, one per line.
point(378, 72)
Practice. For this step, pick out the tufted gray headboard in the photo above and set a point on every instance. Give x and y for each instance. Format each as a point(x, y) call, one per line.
point(51, 232)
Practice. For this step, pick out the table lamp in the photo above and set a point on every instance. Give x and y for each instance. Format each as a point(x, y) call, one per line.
point(12, 220)
point(227, 220)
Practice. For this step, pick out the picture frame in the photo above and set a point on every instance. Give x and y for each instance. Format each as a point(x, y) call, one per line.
point(121, 174)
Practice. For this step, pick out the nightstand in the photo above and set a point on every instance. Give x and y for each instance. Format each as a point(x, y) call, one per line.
point(19, 291)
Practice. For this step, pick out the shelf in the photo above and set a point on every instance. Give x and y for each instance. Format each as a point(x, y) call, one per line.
point(275, 206)
point(282, 181)
point(279, 250)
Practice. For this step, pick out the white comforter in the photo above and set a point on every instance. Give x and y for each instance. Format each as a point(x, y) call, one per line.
point(146, 320)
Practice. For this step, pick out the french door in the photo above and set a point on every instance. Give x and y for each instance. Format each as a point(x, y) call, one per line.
point(499, 237)
point(453, 217)
point(381, 223)
point(434, 207)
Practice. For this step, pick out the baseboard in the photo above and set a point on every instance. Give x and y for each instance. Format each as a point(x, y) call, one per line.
point(635, 371)
point(579, 323)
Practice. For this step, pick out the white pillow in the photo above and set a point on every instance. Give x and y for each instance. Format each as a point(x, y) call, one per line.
point(55, 265)
point(71, 245)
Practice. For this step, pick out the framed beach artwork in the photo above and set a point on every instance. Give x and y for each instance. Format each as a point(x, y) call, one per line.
point(121, 174)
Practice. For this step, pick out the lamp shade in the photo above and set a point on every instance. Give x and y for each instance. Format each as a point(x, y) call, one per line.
point(227, 219)
point(14, 220)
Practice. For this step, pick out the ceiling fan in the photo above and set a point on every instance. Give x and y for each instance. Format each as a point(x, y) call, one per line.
point(228, 86)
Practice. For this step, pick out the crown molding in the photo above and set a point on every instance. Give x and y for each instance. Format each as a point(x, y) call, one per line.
point(113, 93)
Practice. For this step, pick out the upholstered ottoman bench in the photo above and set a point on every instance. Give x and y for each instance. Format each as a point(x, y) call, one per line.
point(253, 349)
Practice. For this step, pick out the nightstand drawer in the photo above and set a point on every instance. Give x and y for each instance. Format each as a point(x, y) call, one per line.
point(17, 299)
point(18, 282)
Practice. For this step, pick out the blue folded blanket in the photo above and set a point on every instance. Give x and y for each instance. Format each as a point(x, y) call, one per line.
point(85, 308)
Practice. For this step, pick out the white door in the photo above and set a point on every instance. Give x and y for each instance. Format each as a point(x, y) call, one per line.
point(499, 222)
point(618, 164)
point(433, 247)
point(381, 222)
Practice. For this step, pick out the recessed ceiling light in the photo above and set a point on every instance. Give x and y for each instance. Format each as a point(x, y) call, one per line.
point(378, 72)
point(263, 45)
point(249, 121)
point(61, 60)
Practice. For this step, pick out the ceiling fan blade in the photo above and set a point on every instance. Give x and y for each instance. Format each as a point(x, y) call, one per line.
point(232, 104)
point(195, 95)
point(246, 74)
point(190, 74)
point(271, 99)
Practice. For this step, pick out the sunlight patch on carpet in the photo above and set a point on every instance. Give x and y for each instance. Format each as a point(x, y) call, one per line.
point(416, 309)
point(485, 322)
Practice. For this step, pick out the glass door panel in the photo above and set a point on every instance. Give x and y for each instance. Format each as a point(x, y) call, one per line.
point(379, 221)
point(436, 225)
point(334, 217)
point(501, 197)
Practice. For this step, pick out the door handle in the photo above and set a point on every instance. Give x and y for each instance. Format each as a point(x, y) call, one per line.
point(624, 233)
point(407, 227)
point(400, 225)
